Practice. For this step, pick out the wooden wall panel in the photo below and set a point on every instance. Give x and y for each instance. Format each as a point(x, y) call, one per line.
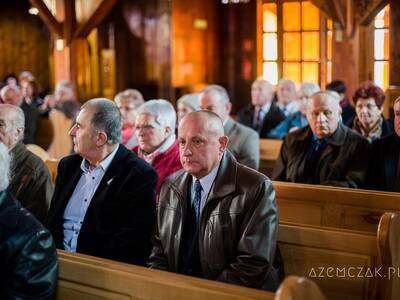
point(194, 44)
point(24, 41)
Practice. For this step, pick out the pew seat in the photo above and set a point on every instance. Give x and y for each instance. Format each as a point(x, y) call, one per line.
point(52, 165)
point(333, 206)
point(340, 261)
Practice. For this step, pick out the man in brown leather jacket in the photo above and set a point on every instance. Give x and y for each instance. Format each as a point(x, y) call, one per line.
point(216, 219)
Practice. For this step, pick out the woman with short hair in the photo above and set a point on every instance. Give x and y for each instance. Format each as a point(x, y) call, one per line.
point(155, 131)
point(128, 102)
point(369, 121)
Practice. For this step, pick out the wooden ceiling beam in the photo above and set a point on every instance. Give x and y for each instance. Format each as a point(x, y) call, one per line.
point(374, 6)
point(47, 17)
point(333, 9)
point(98, 15)
point(69, 24)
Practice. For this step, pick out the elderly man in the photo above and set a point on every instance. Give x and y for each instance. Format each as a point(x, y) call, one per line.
point(325, 152)
point(104, 199)
point(12, 95)
point(263, 114)
point(28, 259)
point(30, 178)
point(384, 164)
point(243, 141)
point(287, 98)
point(216, 219)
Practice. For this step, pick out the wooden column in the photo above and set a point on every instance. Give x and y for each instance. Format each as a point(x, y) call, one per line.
point(393, 90)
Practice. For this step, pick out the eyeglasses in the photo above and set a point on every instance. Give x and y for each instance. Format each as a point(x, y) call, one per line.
point(369, 106)
point(147, 127)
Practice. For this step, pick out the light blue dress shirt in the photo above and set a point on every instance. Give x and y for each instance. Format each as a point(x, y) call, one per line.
point(206, 183)
point(79, 202)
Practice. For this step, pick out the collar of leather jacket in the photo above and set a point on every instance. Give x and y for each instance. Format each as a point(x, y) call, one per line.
point(336, 139)
point(224, 184)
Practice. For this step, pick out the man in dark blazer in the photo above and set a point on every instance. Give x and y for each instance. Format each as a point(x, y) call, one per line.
point(384, 166)
point(263, 114)
point(325, 152)
point(104, 198)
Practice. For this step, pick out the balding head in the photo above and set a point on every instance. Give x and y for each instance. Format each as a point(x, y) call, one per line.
point(324, 113)
point(11, 95)
point(286, 92)
point(215, 98)
point(261, 92)
point(12, 123)
point(201, 142)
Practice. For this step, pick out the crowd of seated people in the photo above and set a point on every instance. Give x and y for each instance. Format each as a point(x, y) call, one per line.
point(180, 191)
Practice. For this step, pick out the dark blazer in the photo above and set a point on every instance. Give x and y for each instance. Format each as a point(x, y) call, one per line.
point(271, 119)
point(343, 162)
point(382, 167)
point(119, 220)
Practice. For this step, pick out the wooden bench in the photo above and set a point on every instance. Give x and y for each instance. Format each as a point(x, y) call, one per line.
point(52, 165)
point(340, 260)
point(87, 277)
point(332, 206)
point(269, 152)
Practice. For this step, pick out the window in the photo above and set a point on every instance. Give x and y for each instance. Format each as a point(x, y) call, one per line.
point(292, 43)
point(381, 48)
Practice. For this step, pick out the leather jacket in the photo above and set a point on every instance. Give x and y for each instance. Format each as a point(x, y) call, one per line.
point(237, 230)
point(28, 258)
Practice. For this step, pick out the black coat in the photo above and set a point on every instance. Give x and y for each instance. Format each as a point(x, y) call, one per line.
point(119, 220)
point(382, 167)
point(343, 161)
point(28, 259)
point(271, 119)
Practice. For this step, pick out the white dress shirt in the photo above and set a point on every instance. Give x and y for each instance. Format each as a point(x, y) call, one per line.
point(206, 184)
point(79, 202)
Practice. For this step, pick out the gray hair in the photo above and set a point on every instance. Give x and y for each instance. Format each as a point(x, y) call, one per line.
point(308, 89)
point(219, 90)
point(5, 161)
point(162, 111)
point(131, 95)
point(106, 117)
point(191, 100)
point(7, 88)
point(18, 119)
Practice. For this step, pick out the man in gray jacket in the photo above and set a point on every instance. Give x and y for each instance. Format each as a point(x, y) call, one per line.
point(243, 141)
point(216, 219)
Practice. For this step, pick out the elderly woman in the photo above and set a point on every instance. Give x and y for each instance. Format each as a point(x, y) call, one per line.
point(155, 130)
point(186, 104)
point(299, 118)
point(369, 121)
point(128, 101)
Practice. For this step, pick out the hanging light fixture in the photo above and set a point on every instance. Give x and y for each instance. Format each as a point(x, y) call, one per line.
point(33, 11)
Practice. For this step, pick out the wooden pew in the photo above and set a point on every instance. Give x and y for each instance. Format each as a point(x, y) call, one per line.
point(52, 165)
point(334, 258)
point(87, 278)
point(269, 152)
point(332, 206)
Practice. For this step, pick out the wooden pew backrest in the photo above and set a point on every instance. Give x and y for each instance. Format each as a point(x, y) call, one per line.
point(340, 261)
point(86, 277)
point(332, 206)
point(269, 152)
point(52, 165)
